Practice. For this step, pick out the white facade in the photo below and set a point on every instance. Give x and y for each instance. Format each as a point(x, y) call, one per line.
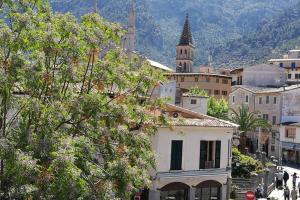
point(290, 142)
point(166, 90)
point(191, 175)
point(195, 103)
point(291, 105)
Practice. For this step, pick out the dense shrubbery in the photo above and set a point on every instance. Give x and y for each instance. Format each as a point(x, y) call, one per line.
point(246, 165)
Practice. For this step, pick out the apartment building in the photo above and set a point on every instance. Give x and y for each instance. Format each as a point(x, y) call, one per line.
point(290, 142)
point(276, 105)
point(291, 64)
point(215, 85)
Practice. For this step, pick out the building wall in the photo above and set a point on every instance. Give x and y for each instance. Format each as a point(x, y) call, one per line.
point(167, 90)
point(239, 96)
point(264, 75)
point(214, 85)
point(291, 105)
point(283, 138)
point(191, 137)
point(199, 107)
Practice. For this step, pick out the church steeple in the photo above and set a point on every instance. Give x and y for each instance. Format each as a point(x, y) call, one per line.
point(186, 35)
point(185, 50)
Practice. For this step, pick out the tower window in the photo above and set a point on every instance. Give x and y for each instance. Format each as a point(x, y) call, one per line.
point(185, 51)
point(280, 64)
point(180, 51)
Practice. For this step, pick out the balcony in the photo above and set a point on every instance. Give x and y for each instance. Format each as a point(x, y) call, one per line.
point(209, 164)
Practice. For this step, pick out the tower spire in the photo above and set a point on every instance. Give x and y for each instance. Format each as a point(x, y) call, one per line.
point(185, 49)
point(186, 35)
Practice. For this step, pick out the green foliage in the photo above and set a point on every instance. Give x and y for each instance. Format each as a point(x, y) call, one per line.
point(195, 91)
point(271, 39)
point(247, 165)
point(248, 121)
point(217, 108)
point(72, 125)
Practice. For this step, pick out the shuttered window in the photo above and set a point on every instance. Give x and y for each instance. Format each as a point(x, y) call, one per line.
point(218, 154)
point(203, 154)
point(176, 155)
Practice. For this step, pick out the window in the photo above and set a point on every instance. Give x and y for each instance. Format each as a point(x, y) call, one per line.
point(289, 76)
point(233, 99)
point(290, 132)
point(293, 65)
point(196, 79)
point(176, 155)
point(273, 120)
point(275, 100)
point(297, 76)
point(210, 154)
point(217, 80)
point(193, 101)
point(260, 100)
point(267, 99)
point(224, 93)
point(180, 51)
point(266, 117)
point(272, 148)
point(225, 81)
point(247, 99)
point(182, 79)
point(217, 92)
point(280, 64)
point(185, 51)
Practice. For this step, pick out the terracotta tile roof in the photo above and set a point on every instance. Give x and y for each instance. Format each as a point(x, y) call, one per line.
point(202, 122)
point(258, 90)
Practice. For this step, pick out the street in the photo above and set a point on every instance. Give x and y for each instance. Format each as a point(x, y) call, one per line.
point(278, 194)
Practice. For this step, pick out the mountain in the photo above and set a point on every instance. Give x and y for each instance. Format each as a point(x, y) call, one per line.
point(270, 40)
point(214, 23)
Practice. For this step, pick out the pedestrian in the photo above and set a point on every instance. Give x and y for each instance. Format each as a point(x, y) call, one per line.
point(299, 188)
point(294, 179)
point(258, 192)
point(285, 177)
point(279, 180)
point(294, 194)
point(286, 193)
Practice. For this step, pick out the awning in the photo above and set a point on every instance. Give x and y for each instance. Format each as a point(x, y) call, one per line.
point(291, 146)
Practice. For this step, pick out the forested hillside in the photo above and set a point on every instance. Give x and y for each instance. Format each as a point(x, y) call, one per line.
point(270, 40)
point(214, 23)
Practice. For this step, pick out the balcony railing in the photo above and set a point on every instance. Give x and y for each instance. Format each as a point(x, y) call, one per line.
point(209, 164)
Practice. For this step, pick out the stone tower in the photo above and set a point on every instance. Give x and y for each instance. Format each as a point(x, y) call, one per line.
point(128, 42)
point(185, 50)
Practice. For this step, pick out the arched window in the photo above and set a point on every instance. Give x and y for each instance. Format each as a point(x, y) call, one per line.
point(185, 51)
point(180, 51)
point(209, 190)
point(175, 190)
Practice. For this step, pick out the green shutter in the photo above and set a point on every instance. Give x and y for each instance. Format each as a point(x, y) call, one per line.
point(203, 153)
point(218, 154)
point(176, 155)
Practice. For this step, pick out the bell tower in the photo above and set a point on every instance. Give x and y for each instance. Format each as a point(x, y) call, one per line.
point(128, 42)
point(185, 50)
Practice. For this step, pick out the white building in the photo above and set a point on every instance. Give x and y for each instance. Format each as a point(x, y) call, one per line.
point(291, 64)
point(290, 142)
point(193, 157)
point(194, 103)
